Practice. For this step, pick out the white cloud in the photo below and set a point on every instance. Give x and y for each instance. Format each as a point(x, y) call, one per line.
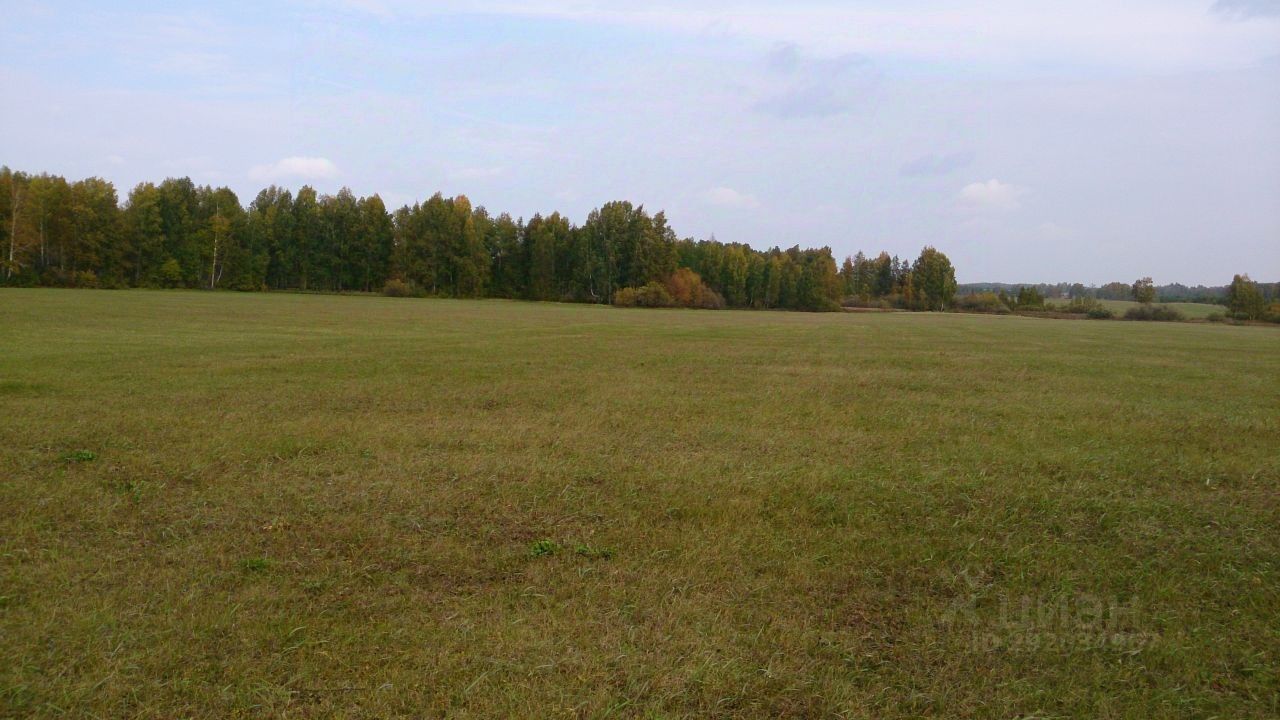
point(1143, 34)
point(991, 195)
point(1246, 9)
point(728, 197)
point(299, 168)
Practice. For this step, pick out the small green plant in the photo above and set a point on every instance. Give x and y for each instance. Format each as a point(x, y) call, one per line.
point(255, 564)
point(594, 553)
point(544, 548)
point(79, 456)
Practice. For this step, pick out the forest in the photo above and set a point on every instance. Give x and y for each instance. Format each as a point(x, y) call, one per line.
point(176, 233)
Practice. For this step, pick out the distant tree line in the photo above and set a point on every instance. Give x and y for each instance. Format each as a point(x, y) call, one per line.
point(1173, 292)
point(179, 234)
point(1245, 300)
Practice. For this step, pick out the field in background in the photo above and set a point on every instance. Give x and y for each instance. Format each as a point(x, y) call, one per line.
point(1193, 311)
point(219, 504)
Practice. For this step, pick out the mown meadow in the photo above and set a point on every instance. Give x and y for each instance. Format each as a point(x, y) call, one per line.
point(281, 505)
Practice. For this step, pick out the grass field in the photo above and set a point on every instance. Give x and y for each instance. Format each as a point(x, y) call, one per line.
point(1193, 311)
point(257, 505)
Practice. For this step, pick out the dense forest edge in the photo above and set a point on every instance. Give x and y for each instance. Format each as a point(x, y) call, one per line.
point(177, 234)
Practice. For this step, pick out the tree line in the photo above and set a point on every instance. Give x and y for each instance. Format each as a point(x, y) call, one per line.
point(1244, 300)
point(1171, 292)
point(180, 234)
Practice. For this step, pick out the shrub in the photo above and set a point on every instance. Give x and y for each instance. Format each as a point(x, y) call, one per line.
point(986, 302)
point(396, 287)
point(626, 297)
point(170, 273)
point(85, 279)
point(1157, 313)
point(1090, 307)
point(683, 288)
point(688, 290)
point(1215, 317)
point(709, 299)
point(650, 295)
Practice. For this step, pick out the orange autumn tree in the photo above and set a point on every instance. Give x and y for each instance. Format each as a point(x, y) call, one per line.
point(688, 290)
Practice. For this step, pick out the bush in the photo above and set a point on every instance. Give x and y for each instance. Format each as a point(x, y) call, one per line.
point(1090, 307)
point(709, 300)
point(398, 288)
point(1157, 313)
point(650, 295)
point(1215, 317)
point(688, 290)
point(170, 273)
point(1272, 313)
point(684, 288)
point(626, 297)
point(894, 300)
point(986, 302)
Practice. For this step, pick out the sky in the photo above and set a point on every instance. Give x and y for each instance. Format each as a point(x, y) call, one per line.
point(1084, 141)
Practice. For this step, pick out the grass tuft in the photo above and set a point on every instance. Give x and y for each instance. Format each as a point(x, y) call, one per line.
point(544, 548)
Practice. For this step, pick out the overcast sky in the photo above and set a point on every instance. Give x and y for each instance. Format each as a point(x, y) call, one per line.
point(1089, 140)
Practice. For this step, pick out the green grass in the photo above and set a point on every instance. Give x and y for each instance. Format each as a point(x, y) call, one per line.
point(221, 505)
point(1193, 311)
